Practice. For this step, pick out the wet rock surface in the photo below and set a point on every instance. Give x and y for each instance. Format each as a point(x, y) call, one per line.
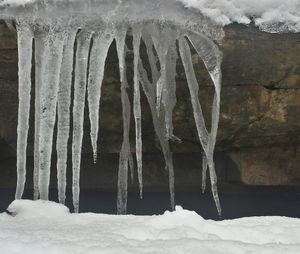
point(259, 132)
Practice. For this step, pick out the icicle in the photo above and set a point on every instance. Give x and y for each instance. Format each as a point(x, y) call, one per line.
point(102, 41)
point(162, 37)
point(212, 57)
point(130, 162)
point(25, 55)
point(153, 59)
point(137, 106)
point(169, 93)
point(39, 61)
point(63, 114)
point(159, 127)
point(48, 103)
point(204, 170)
point(125, 154)
point(82, 53)
point(193, 87)
point(207, 139)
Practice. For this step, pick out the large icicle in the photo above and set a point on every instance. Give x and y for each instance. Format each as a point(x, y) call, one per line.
point(82, 53)
point(101, 42)
point(125, 154)
point(63, 114)
point(137, 105)
point(212, 58)
point(159, 36)
point(163, 38)
point(48, 103)
point(169, 92)
point(159, 123)
point(207, 139)
point(25, 56)
point(39, 61)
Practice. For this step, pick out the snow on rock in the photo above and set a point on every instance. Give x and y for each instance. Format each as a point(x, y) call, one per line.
point(39, 209)
point(269, 15)
point(15, 2)
point(46, 227)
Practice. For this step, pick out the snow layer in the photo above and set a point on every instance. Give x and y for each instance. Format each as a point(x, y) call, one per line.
point(268, 15)
point(46, 227)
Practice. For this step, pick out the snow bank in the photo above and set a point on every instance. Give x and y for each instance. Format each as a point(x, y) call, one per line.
point(46, 227)
point(269, 15)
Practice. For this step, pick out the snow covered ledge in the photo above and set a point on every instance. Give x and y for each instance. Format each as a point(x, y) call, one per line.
point(54, 27)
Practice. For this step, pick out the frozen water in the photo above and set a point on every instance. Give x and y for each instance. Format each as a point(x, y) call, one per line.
point(25, 54)
point(137, 33)
point(53, 53)
point(82, 54)
point(56, 27)
point(101, 43)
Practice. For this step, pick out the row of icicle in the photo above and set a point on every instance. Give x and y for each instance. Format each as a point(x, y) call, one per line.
point(56, 75)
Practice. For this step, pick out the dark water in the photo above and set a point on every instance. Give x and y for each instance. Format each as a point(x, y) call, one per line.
point(247, 201)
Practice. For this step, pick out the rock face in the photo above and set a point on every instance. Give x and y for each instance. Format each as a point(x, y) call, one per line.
point(259, 133)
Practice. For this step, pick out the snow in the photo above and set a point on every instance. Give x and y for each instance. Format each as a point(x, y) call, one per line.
point(47, 227)
point(269, 15)
point(16, 2)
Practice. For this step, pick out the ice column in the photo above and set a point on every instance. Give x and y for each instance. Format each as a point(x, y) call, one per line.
point(211, 57)
point(82, 54)
point(39, 61)
point(125, 154)
point(53, 53)
point(137, 104)
point(101, 42)
point(150, 89)
point(63, 114)
point(25, 38)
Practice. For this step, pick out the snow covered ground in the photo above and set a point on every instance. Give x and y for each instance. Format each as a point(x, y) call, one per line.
point(47, 227)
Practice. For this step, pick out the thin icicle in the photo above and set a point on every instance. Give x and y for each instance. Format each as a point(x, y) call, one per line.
point(162, 37)
point(125, 154)
point(207, 139)
point(160, 128)
point(131, 164)
point(48, 104)
point(214, 187)
point(63, 114)
point(169, 92)
point(25, 56)
point(82, 53)
point(212, 57)
point(137, 106)
point(153, 59)
point(39, 61)
point(204, 170)
point(185, 54)
point(101, 42)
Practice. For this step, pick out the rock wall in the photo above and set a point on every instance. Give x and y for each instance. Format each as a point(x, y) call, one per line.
point(259, 133)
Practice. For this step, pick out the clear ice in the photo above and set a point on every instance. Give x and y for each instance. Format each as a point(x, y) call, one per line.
point(69, 41)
